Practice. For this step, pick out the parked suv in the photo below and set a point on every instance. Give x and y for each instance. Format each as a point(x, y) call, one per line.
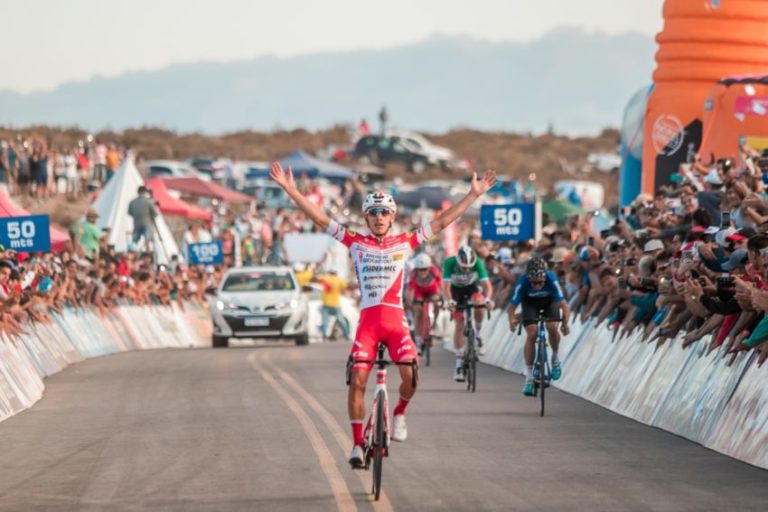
point(383, 149)
point(259, 302)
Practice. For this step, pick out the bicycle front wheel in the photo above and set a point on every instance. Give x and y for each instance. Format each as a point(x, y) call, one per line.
point(542, 372)
point(426, 338)
point(471, 363)
point(379, 445)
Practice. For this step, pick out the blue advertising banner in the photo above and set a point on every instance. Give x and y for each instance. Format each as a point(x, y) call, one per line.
point(26, 234)
point(205, 253)
point(508, 221)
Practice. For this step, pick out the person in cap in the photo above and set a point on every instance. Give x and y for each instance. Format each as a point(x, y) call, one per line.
point(89, 235)
point(653, 247)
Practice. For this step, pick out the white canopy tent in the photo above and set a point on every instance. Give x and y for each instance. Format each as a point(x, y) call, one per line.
point(112, 207)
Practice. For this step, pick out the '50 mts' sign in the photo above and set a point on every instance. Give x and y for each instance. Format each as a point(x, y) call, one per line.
point(508, 221)
point(26, 234)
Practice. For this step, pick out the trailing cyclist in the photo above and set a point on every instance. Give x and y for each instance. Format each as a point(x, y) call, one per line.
point(424, 285)
point(465, 280)
point(379, 259)
point(539, 290)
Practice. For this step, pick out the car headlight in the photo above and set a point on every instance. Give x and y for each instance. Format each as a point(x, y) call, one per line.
point(294, 303)
point(221, 306)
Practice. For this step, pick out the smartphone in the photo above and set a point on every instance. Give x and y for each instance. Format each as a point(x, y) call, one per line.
point(591, 241)
point(622, 282)
point(725, 219)
point(725, 281)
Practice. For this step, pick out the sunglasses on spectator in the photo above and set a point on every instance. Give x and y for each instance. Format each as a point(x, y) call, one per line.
point(379, 212)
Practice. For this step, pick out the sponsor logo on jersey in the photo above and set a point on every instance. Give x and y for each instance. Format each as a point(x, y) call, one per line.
point(379, 268)
point(397, 256)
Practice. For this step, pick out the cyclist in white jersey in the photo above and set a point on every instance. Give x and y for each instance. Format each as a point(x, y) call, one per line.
point(379, 260)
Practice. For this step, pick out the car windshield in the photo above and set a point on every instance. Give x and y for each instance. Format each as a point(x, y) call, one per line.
point(258, 281)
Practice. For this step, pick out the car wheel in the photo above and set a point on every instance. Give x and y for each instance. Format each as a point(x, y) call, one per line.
point(302, 339)
point(418, 167)
point(220, 341)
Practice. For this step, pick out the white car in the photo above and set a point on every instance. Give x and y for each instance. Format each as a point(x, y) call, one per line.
point(436, 155)
point(173, 169)
point(259, 302)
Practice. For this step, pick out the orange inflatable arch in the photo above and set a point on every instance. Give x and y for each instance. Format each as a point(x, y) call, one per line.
point(702, 41)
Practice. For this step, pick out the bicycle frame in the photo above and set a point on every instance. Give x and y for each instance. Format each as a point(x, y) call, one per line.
point(379, 390)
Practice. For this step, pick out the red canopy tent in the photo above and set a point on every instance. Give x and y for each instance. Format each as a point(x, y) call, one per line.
point(170, 205)
point(8, 209)
point(200, 188)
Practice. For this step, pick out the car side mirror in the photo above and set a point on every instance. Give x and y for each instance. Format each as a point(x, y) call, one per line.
point(307, 288)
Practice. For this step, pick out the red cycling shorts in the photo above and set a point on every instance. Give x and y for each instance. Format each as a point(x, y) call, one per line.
point(424, 292)
point(387, 325)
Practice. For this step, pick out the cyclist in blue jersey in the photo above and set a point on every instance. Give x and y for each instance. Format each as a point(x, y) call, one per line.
point(539, 290)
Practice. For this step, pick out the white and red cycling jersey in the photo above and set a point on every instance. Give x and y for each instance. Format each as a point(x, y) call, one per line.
point(380, 262)
point(380, 268)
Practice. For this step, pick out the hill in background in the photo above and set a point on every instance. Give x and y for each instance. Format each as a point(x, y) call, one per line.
point(576, 80)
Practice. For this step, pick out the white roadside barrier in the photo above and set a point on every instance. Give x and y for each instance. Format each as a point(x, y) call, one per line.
point(688, 392)
point(81, 334)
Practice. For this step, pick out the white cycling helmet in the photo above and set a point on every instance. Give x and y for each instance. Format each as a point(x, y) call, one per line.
point(422, 261)
point(466, 256)
point(379, 200)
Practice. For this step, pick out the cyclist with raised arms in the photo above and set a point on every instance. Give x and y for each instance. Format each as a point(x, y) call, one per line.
point(539, 290)
point(424, 284)
point(379, 259)
point(465, 280)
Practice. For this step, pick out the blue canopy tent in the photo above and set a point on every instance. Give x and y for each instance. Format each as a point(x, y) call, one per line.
point(302, 163)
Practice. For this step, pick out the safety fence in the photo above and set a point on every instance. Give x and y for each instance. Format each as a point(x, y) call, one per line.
point(79, 334)
point(692, 393)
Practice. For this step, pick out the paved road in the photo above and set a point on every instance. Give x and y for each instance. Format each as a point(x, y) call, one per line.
point(265, 429)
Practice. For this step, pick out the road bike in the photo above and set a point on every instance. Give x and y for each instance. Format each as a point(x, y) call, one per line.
point(377, 433)
point(426, 329)
point(541, 369)
point(469, 366)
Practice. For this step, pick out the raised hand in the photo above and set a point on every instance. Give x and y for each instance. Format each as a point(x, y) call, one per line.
point(282, 177)
point(481, 186)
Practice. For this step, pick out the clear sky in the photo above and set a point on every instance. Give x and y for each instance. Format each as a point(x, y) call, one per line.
point(49, 42)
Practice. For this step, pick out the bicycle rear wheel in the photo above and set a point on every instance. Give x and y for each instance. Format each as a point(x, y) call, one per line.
point(379, 445)
point(542, 354)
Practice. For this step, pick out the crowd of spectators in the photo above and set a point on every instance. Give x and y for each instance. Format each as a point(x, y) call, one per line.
point(34, 286)
point(692, 259)
point(32, 167)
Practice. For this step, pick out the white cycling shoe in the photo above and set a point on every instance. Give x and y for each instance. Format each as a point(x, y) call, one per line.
point(399, 429)
point(356, 457)
point(458, 374)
